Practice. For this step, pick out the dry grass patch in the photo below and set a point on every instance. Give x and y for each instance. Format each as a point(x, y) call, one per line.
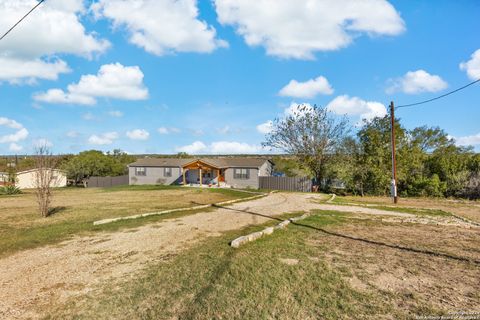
point(463, 208)
point(76, 208)
point(419, 283)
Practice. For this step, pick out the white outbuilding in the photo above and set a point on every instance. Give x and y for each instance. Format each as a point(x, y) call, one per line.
point(27, 179)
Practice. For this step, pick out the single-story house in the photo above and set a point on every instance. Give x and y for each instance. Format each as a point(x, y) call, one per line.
point(27, 179)
point(237, 172)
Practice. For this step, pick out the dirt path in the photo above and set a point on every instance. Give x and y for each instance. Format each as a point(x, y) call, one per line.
point(33, 279)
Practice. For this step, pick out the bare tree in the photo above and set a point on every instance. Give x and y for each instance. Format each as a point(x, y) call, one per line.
point(311, 134)
point(45, 165)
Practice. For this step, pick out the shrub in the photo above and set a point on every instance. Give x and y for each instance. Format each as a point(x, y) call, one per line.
point(9, 190)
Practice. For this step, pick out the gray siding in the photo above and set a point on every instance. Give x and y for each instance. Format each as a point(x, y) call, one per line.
point(155, 175)
point(252, 182)
point(266, 169)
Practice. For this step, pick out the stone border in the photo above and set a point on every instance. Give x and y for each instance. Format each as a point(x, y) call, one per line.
point(236, 243)
point(105, 221)
point(332, 197)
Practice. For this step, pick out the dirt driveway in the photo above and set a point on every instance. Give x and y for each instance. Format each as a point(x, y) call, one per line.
point(34, 279)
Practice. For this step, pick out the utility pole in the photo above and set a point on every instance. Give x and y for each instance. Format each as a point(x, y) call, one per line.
point(394, 161)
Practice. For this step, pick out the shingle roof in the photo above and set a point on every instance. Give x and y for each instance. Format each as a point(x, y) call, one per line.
point(216, 162)
point(159, 162)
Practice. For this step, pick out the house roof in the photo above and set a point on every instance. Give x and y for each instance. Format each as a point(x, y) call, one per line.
point(215, 162)
point(30, 170)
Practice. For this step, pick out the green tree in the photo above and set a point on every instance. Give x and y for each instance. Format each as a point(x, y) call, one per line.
point(311, 135)
point(96, 163)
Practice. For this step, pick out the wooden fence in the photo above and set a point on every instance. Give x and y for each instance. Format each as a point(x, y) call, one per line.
point(302, 184)
point(105, 182)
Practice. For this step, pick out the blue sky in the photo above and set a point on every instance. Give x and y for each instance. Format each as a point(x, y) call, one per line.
point(207, 76)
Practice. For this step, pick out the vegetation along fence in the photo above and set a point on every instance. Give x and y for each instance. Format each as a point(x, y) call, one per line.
point(302, 184)
point(105, 182)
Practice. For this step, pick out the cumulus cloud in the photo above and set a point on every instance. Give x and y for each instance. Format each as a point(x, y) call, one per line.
point(30, 53)
point(265, 127)
point(15, 147)
point(472, 66)
point(138, 134)
point(308, 89)
point(20, 132)
point(473, 140)
point(220, 147)
point(194, 148)
point(161, 26)
point(103, 139)
point(354, 106)
point(414, 82)
point(318, 25)
point(112, 81)
point(17, 70)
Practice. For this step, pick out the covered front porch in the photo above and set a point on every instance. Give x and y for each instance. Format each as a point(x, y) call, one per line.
point(200, 173)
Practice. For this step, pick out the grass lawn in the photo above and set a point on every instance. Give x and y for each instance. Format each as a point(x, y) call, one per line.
point(21, 226)
point(299, 273)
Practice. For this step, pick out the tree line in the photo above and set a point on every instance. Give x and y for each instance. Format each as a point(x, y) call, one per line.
point(330, 150)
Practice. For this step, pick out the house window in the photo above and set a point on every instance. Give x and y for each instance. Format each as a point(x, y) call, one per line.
point(140, 171)
point(167, 172)
point(241, 173)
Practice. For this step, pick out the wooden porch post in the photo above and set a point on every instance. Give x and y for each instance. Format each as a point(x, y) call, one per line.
point(200, 178)
point(218, 177)
point(184, 178)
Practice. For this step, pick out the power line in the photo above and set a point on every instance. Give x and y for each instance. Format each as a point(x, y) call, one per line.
point(31, 10)
point(439, 97)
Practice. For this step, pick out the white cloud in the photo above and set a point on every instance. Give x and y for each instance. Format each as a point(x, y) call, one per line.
point(296, 108)
point(194, 148)
point(161, 26)
point(15, 147)
point(367, 110)
point(31, 51)
point(42, 142)
point(20, 134)
point(21, 70)
point(308, 89)
point(112, 81)
point(103, 139)
point(472, 66)
point(138, 134)
point(231, 147)
point(292, 110)
point(265, 127)
point(414, 82)
point(473, 140)
point(165, 130)
point(115, 114)
point(299, 28)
